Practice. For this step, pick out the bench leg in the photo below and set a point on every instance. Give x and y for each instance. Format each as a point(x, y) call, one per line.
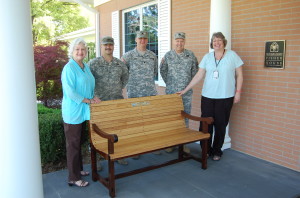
point(204, 144)
point(94, 163)
point(180, 151)
point(111, 178)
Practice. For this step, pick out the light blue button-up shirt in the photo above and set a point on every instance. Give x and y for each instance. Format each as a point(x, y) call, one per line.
point(224, 85)
point(77, 84)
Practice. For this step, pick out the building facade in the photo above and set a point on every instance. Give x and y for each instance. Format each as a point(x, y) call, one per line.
point(265, 124)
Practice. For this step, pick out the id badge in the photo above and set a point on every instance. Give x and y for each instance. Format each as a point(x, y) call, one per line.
point(216, 74)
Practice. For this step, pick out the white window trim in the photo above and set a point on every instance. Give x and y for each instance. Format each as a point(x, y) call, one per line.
point(115, 21)
point(164, 33)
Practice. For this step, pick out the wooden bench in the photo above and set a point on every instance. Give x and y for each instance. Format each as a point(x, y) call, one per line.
point(125, 128)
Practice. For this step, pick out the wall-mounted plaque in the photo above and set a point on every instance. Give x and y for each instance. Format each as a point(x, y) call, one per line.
point(275, 54)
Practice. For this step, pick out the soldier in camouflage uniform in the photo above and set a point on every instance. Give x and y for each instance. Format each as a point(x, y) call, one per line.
point(142, 66)
point(177, 68)
point(110, 73)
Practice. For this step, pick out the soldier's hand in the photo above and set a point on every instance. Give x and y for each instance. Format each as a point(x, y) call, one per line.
point(180, 92)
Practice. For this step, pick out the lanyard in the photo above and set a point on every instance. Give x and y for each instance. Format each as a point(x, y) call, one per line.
point(220, 58)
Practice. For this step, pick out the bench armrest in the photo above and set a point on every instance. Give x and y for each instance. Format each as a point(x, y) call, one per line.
point(205, 120)
point(112, 138)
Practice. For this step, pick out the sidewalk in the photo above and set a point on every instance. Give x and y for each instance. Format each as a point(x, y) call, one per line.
point(236, 175)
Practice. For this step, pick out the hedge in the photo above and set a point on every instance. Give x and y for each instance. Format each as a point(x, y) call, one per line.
point(52, 137)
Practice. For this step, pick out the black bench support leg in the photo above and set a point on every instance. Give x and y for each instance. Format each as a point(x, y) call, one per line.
point(204, 153)
point(111, 179)
point(180, 151)
point(94, 164)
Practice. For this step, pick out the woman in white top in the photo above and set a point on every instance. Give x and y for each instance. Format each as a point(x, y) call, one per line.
point(222, 87)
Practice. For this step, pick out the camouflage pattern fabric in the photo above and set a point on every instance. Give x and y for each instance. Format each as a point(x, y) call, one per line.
point(177, 70)
point(142, 71)
point(110, 78)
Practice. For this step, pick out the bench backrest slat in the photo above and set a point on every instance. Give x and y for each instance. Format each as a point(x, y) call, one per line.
point(135, 116)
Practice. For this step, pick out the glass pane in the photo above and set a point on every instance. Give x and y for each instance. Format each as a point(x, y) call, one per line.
point(132, 25)
point(150, 24)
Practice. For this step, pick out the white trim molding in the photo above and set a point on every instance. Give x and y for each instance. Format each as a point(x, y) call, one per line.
point(115, 32)
point(164, 33)
point(100, 2)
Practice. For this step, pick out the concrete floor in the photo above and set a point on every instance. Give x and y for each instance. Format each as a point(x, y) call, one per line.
point(236, 175)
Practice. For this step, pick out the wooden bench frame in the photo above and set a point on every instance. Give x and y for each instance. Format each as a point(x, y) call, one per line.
point(109, 182)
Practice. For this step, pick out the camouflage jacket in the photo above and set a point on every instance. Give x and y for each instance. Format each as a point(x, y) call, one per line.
point(142, 73)
point(177, 70)
point(110, 78)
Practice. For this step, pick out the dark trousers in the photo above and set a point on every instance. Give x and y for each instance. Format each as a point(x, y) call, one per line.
point(74, 135)
point(219, 109)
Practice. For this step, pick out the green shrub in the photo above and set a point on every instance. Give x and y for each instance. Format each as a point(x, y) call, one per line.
point(44, 110)
point(52, 137)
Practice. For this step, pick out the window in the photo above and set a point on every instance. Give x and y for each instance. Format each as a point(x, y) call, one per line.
point(143, 17)
point(154, 17)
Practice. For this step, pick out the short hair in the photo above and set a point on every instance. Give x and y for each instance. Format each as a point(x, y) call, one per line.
point(74, 43)
point(218, 35)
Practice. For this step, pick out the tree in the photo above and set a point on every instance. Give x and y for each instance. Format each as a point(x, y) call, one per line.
point(49, 61)
point(51, 18)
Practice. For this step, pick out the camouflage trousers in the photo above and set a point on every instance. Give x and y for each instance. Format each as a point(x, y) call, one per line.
point(187, 104)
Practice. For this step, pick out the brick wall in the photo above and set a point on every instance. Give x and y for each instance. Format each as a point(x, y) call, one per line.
point(192, 17)
point(266, 122)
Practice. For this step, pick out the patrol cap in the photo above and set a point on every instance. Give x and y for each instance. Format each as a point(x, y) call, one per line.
point(141, 34)
point(179, 35)
point(107, 40)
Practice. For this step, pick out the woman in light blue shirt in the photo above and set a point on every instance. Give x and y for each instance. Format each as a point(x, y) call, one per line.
point(78, 85)
point(222, 87)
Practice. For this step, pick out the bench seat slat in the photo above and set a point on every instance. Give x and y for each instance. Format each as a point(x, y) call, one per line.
point(139, 132)
point(147, 128)
point(135, 145)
